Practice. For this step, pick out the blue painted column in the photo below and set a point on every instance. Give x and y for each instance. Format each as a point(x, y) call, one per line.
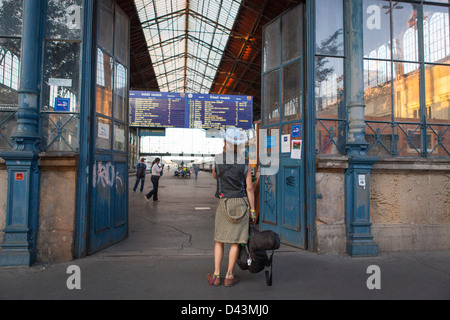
point(354, 46)
point(357, 183)
point(20, 233)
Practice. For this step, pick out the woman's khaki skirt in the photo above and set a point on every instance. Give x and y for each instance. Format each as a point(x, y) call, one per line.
point(232, 220)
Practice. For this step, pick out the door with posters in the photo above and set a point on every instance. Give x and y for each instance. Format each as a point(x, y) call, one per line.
point(282, 151)
point(108, 217)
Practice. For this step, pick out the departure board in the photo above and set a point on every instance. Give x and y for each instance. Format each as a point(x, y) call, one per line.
point(157, 109)
point(179, 110)
point(218, 111)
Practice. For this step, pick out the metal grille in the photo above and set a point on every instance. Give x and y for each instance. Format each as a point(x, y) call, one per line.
point(7, 124)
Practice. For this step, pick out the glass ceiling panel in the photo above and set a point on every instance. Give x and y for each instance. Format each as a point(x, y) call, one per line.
point(186, 44)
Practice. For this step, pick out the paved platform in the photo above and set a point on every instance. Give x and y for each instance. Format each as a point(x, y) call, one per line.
point(170, 249)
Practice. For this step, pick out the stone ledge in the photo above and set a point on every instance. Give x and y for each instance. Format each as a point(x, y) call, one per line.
point(52, 160)
point(331, 162)
point(401, 163)
point(324, 162)
point(58, 161)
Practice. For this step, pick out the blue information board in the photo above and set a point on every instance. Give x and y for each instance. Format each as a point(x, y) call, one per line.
point(157, 109)
point(180, 110)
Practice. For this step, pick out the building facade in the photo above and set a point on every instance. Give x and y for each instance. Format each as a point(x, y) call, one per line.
point(367, 82)
point(360, 89)
point(63, 128)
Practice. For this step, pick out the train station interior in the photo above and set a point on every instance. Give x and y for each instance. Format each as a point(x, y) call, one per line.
point(345, 105)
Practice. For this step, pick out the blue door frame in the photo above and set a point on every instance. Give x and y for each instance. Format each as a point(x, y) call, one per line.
point(288, 198)
point(102, 189)
point(84, 188)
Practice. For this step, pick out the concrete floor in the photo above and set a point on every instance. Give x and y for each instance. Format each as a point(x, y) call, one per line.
point(170, 249)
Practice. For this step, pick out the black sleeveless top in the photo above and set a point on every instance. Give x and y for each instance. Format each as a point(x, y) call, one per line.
point(231, 177)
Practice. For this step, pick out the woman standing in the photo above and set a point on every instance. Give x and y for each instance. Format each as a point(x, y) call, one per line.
point(156, 174)
point(235, 191)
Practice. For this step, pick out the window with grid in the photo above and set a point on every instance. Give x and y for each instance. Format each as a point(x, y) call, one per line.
point(60, 93)
point(10, 45)
point(406, 113)
point(112, 87)
point(331, 119)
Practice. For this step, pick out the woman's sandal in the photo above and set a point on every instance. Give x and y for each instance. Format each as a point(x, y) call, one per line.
point(228, 282)
point(213, 279)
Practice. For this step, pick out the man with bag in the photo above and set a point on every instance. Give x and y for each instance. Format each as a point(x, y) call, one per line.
point(140, 175)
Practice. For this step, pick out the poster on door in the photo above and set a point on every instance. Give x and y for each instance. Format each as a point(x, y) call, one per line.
point(285, 143)
point(296, 152)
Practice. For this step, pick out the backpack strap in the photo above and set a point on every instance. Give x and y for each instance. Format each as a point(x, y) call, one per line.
point(219, 182)
point(268, 270)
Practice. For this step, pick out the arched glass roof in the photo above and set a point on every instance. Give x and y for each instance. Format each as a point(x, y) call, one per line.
point(186, 40)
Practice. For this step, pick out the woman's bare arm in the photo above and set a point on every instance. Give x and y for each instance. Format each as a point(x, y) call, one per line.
point(250, 191)
point(214, 173)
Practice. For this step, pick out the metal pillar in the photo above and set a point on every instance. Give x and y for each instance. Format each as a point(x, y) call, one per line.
point(359, 238)
point(310, 128)
point(20, 233)
point(356, 143)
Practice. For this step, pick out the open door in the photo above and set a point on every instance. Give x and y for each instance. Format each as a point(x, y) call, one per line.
point(108, 214)
point(283, 191)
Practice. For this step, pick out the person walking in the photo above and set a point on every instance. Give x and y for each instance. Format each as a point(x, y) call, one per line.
point(196, 169)
point(236, 205)
point(140, 174)
point(156, 175)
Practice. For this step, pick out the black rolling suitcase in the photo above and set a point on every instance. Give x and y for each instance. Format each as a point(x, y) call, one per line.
point(253, 256)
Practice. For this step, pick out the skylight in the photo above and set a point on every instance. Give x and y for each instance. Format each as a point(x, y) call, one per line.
point(186, 40)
